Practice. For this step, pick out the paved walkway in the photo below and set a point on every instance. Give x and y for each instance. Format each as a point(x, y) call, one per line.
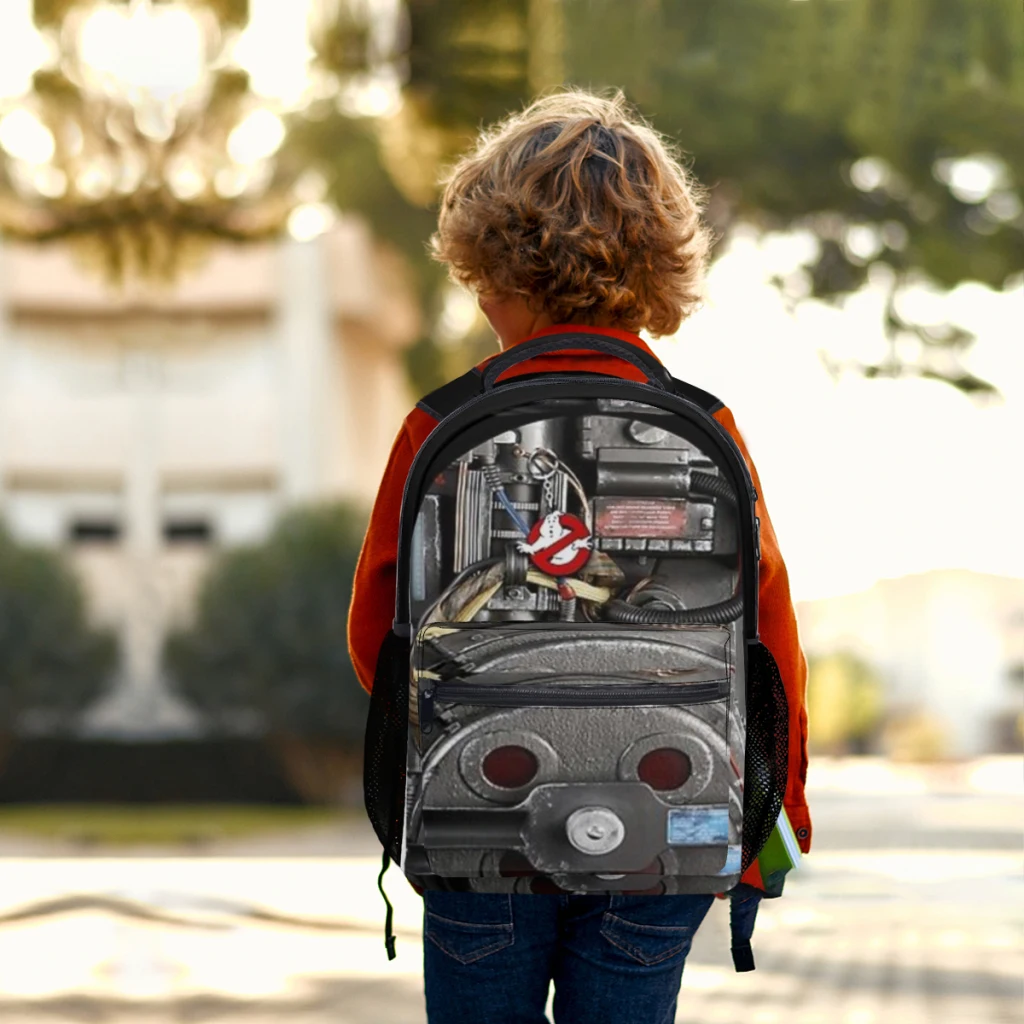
point(908, 912)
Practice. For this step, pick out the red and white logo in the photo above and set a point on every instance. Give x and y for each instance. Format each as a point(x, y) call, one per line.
point(559, 544)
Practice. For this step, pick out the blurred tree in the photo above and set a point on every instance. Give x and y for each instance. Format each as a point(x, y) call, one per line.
point(467, 63)
point(52, 663)
point(913, 733)
point(267, 646)
point(893, 130)
point(844, 704)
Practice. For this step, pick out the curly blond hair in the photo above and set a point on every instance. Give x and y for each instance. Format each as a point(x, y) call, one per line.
point(579, 206)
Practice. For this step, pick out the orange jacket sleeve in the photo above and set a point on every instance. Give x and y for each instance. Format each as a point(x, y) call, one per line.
point(372, 608)
point(778, 629)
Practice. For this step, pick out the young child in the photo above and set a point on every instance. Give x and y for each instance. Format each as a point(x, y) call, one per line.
point(573, 212)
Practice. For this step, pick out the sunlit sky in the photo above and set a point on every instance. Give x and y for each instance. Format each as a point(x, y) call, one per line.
point(863, 479)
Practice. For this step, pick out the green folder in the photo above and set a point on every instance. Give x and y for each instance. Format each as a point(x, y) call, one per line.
point(781, 852)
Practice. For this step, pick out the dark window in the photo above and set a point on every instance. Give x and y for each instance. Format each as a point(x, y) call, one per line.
point(188, 531)
point(95, 531)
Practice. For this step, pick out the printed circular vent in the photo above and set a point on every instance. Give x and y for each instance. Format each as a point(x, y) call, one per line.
point(500, 765)
point(509, 766)
point(664, 768)
point(678, 765)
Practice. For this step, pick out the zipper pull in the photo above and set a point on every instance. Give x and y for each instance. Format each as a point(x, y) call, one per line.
point(426, 706)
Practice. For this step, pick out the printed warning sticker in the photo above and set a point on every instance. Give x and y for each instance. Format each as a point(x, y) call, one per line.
point(640, 517)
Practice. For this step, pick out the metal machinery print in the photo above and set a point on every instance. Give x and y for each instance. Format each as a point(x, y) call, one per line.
point(575, 722)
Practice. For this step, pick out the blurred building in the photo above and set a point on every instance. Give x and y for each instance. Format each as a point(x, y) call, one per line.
point(142, 431)
point(949, 643)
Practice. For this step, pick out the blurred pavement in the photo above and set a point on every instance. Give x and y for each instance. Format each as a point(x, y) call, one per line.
point(907, 912)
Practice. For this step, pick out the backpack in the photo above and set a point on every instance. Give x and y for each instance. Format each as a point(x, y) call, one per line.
point(573, 696)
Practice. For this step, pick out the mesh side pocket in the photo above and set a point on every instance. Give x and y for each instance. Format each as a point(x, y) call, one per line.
point(384, 751)
point(767, 755)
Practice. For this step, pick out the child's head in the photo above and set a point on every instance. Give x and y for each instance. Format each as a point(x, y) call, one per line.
point(579, 209)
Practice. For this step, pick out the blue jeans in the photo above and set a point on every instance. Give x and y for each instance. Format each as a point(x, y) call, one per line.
point(489, 958)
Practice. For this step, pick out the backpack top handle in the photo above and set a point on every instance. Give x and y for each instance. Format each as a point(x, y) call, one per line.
point(656, 374)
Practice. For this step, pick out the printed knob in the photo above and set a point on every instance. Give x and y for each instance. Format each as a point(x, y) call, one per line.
point(646, 433)
point(595, 830)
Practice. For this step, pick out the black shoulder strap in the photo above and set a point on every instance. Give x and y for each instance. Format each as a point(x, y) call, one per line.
point(443, 401)
point(744, 900)
point(448, 397)
point(704, 399)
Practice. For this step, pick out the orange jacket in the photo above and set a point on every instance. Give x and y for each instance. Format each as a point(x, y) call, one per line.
point(373, 595)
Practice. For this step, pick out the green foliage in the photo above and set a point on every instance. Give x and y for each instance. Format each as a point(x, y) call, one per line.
point(347, 151)
point(844, 703)
point(127, 825)
point(52, 664)
point(777, 100)
point(270, 632)
point(469, 63)
point(469, 59)
point(348, 154)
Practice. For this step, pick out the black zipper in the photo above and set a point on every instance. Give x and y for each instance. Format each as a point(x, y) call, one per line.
point(572, 627)
point(656, 397)
point(527, 696)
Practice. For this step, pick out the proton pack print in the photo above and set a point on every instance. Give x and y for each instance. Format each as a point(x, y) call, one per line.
point(574, 719)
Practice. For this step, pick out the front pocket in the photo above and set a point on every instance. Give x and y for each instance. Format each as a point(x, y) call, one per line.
point(577, 747)
point(555, 665)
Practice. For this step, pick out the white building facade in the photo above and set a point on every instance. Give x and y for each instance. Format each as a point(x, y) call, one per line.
point(142, 431)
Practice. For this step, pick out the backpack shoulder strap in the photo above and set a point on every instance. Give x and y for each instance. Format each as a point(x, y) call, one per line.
point(389, 933)
point(707, 401)
point(743, 903)
point(443, 401)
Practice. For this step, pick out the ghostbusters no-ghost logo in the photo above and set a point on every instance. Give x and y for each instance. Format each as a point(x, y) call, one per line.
point(559, 544)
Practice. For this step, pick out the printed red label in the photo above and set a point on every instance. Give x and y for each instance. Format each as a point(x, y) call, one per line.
point(558, 545)
point(640, 517)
